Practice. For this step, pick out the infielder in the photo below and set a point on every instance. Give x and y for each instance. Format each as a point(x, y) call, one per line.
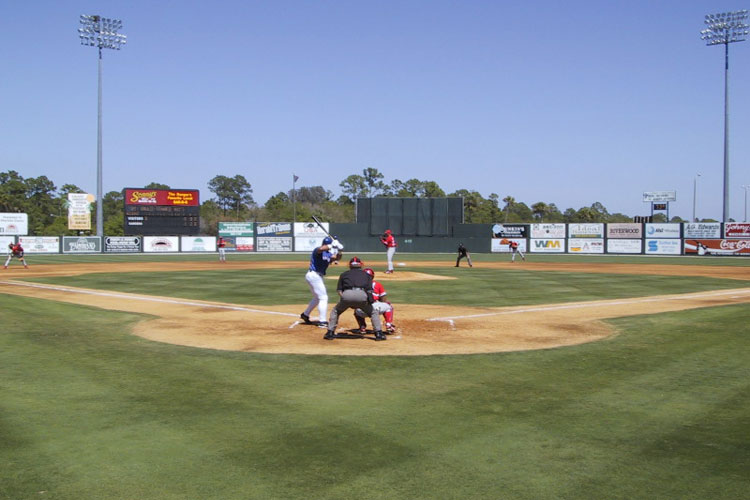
point(380, 304)
point(515, 250)
point(463, 252)
point(15, 250)
point(355, 289)
point(320, 258)
point(222, 252)
point(390, 244)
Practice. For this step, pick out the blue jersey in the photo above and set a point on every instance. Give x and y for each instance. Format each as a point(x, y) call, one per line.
point(319, 261)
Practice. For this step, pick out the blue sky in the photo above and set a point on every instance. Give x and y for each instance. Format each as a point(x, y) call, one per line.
point(562, 102)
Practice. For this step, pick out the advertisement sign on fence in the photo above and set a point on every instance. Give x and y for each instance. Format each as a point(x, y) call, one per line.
point(14, 223)
point(81, 244)
point(510, 230)
point(273, 229)
point(548, 230)
point(198, 244)
point(308, 236)
point(586, 245)
point(501, 245)
point(664, 247)
point(236, 229)
point(122, 244)
point(548, 246)
point(662, 230)
point(737, 230)
point(624, 246)
point(717, 247)
point(274, 244)
point(161, 243)
point(585, 230)
point(40, 244)
point(79, 211)
point(707, 230)
point(625, 230)
point(5, 241)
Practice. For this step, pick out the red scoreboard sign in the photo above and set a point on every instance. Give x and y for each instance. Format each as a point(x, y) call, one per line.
point(157, 212)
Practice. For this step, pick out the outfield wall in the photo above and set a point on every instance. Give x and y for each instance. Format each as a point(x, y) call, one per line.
point(712, 238)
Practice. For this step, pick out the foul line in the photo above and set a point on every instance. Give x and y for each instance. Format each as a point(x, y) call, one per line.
point(736, 294)
point(143, 298)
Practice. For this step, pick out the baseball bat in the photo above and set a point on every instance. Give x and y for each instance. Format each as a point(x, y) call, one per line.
point(317, 221)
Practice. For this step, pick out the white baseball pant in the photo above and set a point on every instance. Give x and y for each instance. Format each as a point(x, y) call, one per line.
point(320, 295)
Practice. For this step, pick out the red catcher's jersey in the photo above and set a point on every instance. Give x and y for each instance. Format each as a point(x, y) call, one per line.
point(378, 292)
point(389, 241)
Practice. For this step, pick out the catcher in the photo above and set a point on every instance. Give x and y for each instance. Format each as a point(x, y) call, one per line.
point(15, 250)
point(379, 304)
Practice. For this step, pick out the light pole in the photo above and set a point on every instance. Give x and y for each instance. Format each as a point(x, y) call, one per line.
point(695, 194)
point(725, 28)
point(745, 187)
point(100, 32)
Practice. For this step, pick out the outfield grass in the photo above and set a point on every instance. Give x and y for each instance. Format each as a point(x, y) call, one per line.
point(661, 410)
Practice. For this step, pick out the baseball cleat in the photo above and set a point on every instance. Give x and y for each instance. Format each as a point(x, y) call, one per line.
point(323, 324)
point(390, 328)
point(379, 335)
point(305, 318)
point(329, 335)
point(363, 330)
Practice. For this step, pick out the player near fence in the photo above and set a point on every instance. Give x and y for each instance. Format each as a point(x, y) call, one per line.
point(15, 250)
point(320, 258)
point(355, 291)
point(389, 241)
point(380, 304)
point(221, 244)
point(463, 252)
point(513, 245)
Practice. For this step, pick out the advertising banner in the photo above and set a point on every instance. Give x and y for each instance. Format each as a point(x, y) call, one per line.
point(5, 241)
point(548, 231)
point(709, 230)
point(122, 244)
point(40, 244)
point(165, 197)
point(586, 231)
point(161, 244)
point(310, 230)
point(717, 247)
point(586, 245)
point(664, 247)
point(304, 244)
point(662, 230)
point(14, 223)
point(236, 229)
point(624, 246)
point(501, 245)
point(239, 244)
point(547, 245)
point(625, 230)
point(274, 244)
point(737, 229)
point(273, 229)
point(198, 244)
point(81, 244)
point(510, 231)
point(79, 211)
point(659, 196)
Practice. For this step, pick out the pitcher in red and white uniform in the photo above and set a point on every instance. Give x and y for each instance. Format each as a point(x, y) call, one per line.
point(390, 244)
point(380, 304)
point(15, 250)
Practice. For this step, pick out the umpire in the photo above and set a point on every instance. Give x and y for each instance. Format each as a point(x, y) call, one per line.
point(355, 290)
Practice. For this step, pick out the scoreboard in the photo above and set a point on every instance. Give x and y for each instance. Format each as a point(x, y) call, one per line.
point(156, 212)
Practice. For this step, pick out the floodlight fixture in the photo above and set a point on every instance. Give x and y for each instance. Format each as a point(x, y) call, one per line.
point(100, 32)
point(725, 28)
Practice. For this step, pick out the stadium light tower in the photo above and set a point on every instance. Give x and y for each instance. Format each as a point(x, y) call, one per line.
point(725, 28)
point(100, 32)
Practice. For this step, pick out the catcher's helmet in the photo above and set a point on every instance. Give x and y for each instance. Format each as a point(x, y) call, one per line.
point(355, 262)
point(370, 272)
point(327, 240)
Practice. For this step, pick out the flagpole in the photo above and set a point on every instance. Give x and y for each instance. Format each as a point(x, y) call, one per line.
point(294, 198)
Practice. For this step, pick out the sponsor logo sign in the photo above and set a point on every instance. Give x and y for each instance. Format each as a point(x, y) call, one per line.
point(702, 229)
point(173, 197)
point(236, 229)
point(625, 230)
point(585, 230)
point(122, 244)
point(624, 246)
point(510, 230)
point(547, 231)
point(198, 244)
point(40, 244)
point(310, 230)
point(737, 229)
point(274, 244)
point(5, 241)
point(664, 247)
point(717, 247)
point(662, 230)
point(161, 243)
point(547, 245)
point(273, 229)
point(501, 245)
point(659, 196)
point(81, 244)
point(303, 244)
point(79, 211)
point(586, 245)
point(14, 223)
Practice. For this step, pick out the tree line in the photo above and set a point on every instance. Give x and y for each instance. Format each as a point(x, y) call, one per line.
point(232, 200)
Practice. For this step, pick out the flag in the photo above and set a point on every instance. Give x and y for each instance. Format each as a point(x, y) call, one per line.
point(295, 178)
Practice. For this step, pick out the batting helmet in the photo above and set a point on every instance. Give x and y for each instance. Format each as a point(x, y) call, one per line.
point(327, 240)
point(370, 272)
point(355, 262)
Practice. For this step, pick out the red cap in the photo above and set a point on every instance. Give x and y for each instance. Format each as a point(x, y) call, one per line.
point(355, 262)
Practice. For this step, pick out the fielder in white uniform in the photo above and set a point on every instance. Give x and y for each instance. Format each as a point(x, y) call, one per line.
point(320, 258)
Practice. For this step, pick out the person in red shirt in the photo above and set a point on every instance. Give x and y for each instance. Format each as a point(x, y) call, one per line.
point(221, 243)
point(380, 304)
point(390, 244)
point(513, 245)
point(15, 250)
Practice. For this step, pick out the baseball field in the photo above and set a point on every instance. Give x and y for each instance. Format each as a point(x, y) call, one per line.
point(177, 377)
